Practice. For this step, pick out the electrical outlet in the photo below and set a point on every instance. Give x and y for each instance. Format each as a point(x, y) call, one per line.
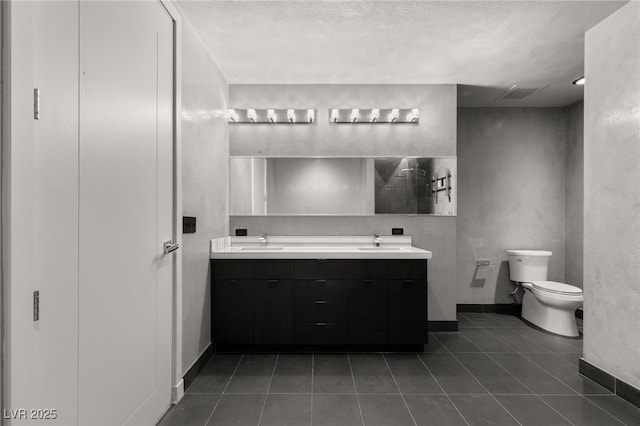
point(241, 232)
point(188, 224)
point(483, 262)
point(397, 231)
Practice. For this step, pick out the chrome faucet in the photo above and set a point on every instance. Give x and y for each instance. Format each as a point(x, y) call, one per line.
point(263, 239)
point(376, 240)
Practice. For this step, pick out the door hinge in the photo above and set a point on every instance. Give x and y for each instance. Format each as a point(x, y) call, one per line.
point(36, 104)
point(36, 306)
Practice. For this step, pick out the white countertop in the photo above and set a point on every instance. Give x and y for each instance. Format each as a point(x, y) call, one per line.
point(316, 247)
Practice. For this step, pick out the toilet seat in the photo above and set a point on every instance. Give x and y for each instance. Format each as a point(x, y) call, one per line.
point(557, 288)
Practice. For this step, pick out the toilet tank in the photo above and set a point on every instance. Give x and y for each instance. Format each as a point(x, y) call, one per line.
point(528, 265)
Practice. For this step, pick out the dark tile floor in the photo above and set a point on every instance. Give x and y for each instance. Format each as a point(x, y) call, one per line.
point(495, 371)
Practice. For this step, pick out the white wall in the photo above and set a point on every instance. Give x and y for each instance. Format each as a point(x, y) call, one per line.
point(612, 195)
point(205, 152)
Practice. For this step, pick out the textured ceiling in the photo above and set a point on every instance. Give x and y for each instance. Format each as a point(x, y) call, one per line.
point(485, 46)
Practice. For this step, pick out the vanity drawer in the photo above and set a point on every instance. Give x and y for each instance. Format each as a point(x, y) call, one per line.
point(320, 311)
point(368, 269)
point(268, 269)
point(321, 290)
point(233, 269)
point(408, 269)
point(320, 269)
point(321, 333)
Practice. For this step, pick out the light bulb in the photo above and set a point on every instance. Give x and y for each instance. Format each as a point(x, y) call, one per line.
point(233, 116)
point(412, 117)
point(251, 115)
point(393, 115)
point(334, 115)
point(375, 114)
point(355, 114)
point(271, 115)
point(311, 115)
point(291, 116)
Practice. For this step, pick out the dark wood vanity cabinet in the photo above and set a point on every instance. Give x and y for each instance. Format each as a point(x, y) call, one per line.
point(233, 301)
point(320, 302)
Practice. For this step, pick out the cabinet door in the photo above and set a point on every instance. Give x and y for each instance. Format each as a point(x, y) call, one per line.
point(274, 311)
point(367, 311)
point(407, 304)
point(233, 311)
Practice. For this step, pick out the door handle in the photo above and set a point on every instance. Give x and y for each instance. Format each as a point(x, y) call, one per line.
point(170, 246)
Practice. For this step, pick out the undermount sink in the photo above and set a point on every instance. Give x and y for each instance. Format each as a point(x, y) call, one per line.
point(379, 248)
point(262, 248)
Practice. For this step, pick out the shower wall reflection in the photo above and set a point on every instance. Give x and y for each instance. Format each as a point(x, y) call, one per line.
point(415, 186)
point(341, 186)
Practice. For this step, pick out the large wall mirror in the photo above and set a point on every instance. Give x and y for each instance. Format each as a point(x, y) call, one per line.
point(342, 186)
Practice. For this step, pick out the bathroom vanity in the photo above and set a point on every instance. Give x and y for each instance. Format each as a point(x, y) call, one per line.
point(319, 291)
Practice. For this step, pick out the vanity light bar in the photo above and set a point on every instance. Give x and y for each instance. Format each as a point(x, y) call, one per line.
point(271, 116)
point(374, 115)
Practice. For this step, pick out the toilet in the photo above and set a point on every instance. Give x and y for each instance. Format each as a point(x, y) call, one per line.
point(548, 304)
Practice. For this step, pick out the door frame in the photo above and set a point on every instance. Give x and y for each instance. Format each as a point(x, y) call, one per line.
point(177, 391)
point(7, 68)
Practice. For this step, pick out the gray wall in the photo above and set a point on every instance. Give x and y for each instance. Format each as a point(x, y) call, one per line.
point(205, 152)
point(511, 195)
point(574, 194)
point(612, 195)
point(434, 135)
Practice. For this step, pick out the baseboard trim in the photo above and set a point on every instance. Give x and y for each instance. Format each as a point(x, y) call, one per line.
point(177, 392)
point(622, 389)
point(490, 308)
point(443, 325)
point(197, 366)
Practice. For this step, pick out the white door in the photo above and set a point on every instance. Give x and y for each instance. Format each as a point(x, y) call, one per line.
point(125, 212)
point(42, 356)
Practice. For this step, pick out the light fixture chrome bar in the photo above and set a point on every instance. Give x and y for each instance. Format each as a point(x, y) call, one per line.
point(374, 115)
point(271, 115)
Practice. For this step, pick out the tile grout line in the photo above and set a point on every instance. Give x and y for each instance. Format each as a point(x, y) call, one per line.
point(527, 387)
point(313, 357)
point(399, 390)
point(266, 396)
point(224, 389)
point(483, 386)
point(602, 409)
point(443, 391)
point(514, 348)
point(355, 389)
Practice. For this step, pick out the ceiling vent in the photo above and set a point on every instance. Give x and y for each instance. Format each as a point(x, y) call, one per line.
point(516, 92)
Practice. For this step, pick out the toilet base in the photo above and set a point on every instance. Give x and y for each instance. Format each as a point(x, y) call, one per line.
point(554, 320)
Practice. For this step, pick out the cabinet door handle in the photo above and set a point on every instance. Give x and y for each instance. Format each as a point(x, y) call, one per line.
point(367, 281)
point(407, 281)
point(273, 281)
point(321, 281)
point(321, 302)
point(321, 324)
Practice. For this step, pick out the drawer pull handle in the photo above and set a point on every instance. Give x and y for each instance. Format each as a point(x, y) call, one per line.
point(367, 281)
point(321, 281)
point(321, 324)
point(321, 302)
point(407, 281)
point(273, 281)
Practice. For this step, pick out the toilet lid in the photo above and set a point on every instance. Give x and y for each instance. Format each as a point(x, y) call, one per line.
point(554, 287)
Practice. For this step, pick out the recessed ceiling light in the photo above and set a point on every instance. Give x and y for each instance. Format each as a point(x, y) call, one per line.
point(578, 81)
